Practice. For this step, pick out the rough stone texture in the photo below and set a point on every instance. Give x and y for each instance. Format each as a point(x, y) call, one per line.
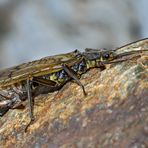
point(113, 114)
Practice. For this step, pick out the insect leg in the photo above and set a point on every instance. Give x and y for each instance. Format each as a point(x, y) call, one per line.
point(43, 81)
point(46, 86)
point(30, 104)
point(72, 74)
point(6, 98)
point(47, 83)
point(7, 103)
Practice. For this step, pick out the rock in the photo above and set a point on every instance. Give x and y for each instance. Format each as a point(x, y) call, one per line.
point(113, 114)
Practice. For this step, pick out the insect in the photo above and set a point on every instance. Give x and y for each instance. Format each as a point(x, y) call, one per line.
point(49, 74)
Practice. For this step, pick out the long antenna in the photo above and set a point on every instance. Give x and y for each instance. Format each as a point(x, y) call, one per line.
point(130, 44)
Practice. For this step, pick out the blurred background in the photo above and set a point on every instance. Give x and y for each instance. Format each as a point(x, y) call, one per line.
point(31, 29)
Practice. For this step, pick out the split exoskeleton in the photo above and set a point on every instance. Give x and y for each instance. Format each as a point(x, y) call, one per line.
point(49, 74)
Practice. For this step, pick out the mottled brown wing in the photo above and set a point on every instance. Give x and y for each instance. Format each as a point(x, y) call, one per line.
point(40, 67)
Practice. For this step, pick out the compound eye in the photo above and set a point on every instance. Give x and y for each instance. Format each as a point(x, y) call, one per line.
point(106, 55)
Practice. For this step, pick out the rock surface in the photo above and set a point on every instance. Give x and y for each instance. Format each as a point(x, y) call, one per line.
point(113, 114)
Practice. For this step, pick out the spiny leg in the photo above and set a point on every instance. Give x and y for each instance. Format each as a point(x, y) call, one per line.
point(72, 74)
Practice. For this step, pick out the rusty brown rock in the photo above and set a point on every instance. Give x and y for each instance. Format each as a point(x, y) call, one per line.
point(113, 114)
